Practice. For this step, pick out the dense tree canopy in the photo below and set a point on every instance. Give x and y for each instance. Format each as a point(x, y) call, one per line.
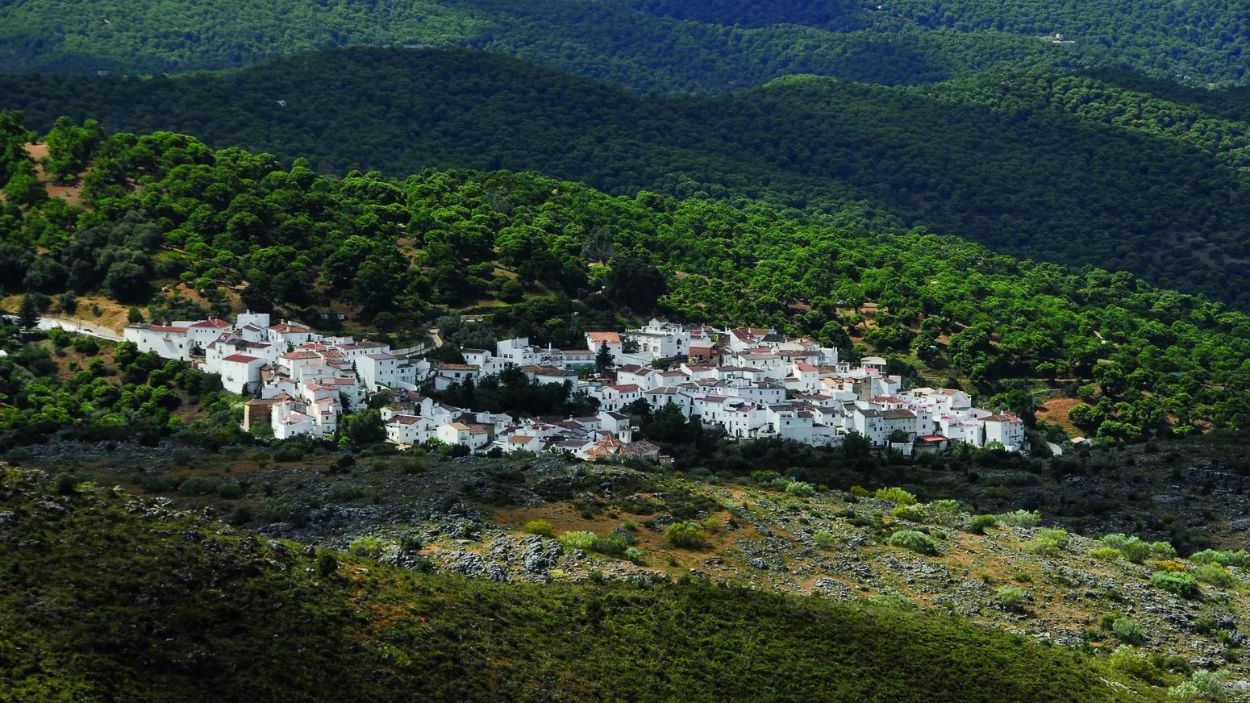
point(1070, 168)
point(231, 223)
point(650, 45)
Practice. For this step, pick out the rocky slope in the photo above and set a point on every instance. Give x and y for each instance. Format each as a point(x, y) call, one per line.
point(475, 516)
point(107, 597)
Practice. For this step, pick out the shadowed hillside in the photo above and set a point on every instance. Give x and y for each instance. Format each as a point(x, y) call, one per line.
point(997, 159)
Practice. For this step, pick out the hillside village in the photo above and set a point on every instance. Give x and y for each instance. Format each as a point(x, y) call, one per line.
point(751, 383)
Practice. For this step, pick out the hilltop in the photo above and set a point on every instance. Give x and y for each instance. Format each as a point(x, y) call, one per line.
point(1071, 168)
point(178, 608)
point(650, 46)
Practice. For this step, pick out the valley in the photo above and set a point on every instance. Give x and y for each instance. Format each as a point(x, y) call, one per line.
point(624, 350)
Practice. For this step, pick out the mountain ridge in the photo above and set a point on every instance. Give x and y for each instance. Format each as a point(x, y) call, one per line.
point(1027, 175)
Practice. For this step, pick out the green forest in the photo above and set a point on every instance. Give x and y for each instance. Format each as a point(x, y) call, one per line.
point(648, 45)
point(553, 258)
point(1100, 168)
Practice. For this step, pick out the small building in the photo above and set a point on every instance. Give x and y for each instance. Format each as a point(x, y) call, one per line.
point(240, 373)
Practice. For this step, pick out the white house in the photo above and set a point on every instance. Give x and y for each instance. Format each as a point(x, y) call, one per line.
point(472, 436)
point(166, 341)
point(1006, 429)
point(291, 334)
point(240, 373)
point(384, 369)
point(409, 430)
point(613, 397)
point(660, 339)
point(612, 340)
point(201, 334)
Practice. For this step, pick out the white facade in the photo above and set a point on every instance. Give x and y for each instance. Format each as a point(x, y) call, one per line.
point(240, 373)
point(166, 341)
point(385, 370)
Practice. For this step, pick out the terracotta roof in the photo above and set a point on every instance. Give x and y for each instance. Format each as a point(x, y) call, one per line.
point(604, 337)
point(241, 358)
point(211, 322)
point(457, 367)
point(640, 448)
point(627, 388)
point(288, 327)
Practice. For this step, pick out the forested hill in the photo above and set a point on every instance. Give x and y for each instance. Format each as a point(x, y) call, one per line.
point(1102, 169)
point(171, 226)
point(649, 45)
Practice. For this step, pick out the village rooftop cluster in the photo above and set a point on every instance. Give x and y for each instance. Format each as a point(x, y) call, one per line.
point(751, 383)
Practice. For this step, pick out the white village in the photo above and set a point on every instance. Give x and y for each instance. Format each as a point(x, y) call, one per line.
point(751, 383)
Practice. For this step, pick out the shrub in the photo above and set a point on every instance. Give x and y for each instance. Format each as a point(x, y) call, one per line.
point(896, 495)
point(288, 453)
point(825, 538)
point(1128, 631)
point(860, 492)
point(66, 484)
point(764, 477)
point(917, 542)
point(1183, 585)
point(1011, 598)
point(1020, 518)
point(367, 546)
point(346, 492)
point(327, 565)
point(686, 535)
point(1105, 553)
point(1239, 558)
point(633, 554)
point(895, 601)
point(1162, 550)
point(1214, 574)
point(912, 513)
point(1134, 549)
point(1128, 662)
point(241, 515)
point(801, 489)
point(539, 527)
point(1202, 686)
point(1048, 542)
point(230, 490)
point(981, 523)
point(199, 486)
point(578, 539)
point(945, 512)
point(609, 544)
point(86, 346)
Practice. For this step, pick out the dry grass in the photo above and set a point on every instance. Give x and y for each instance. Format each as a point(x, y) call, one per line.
point(1056, 411)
